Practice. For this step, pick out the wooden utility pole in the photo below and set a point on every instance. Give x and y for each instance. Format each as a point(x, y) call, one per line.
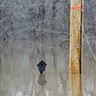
point(76, 45)
point(76, 35)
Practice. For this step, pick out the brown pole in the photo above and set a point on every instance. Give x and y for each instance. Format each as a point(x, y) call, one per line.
point(76, 35)
point(76, 45)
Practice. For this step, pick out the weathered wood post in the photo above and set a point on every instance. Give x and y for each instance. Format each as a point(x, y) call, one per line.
point(76, 35)
point(76, 45)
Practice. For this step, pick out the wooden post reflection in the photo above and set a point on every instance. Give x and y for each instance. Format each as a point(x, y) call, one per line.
point(76, 85)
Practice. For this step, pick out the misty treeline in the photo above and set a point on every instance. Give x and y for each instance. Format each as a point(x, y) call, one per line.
point(41, 19)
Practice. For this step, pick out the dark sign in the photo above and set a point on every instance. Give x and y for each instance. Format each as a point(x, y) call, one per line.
point(41, 66)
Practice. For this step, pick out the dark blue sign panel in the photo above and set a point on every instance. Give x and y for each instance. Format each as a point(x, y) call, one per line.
point(41, 66)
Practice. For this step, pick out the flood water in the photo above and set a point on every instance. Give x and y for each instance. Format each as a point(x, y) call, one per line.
point(19, 75)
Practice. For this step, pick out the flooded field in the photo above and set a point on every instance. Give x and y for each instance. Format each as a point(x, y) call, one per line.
point(19, 75)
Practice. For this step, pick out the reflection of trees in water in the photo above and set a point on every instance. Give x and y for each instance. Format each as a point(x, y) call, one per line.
point(24, 60)
point(19, 70)
point(54, 61)
point(64, 79)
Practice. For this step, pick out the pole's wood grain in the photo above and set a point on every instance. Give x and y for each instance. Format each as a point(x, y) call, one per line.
point(76, 46)
point(76, 36)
